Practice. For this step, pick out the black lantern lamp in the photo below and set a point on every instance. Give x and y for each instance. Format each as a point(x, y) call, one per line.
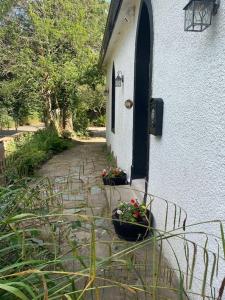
point(106, 92)
point(198, 14)
point(119, 79)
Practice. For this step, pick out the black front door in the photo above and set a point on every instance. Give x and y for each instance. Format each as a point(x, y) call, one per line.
point(142, 94)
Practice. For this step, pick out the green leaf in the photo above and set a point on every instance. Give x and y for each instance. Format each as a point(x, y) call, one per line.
point(25, 286)
point(12, 290)
point(20, 218)
point(21, 264)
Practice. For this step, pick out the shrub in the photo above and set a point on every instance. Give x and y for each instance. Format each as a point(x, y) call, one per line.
point(81, 121)
point(100, 121)
point(28, 152)
point(5, 120)
point(66, 134)
point(58, 146)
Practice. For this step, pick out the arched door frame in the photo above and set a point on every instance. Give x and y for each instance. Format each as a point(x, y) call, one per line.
point(113, 99)
point(151, 32)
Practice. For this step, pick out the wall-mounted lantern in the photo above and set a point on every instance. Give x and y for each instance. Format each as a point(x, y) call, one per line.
point(156, 116)
point(119, 79)
point(198, 14)
point(106, 92)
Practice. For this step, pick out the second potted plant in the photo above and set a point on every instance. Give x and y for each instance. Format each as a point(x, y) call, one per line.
point(115, 176)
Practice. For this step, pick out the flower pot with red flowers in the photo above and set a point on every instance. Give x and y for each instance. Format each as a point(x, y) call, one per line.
point(114, 176)
point(132, 221)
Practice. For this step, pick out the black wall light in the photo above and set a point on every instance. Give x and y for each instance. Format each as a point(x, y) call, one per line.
point(119, 79)
point(106, 92)
point(198, 14)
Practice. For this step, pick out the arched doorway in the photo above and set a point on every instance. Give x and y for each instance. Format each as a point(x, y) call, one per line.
point(142, 91)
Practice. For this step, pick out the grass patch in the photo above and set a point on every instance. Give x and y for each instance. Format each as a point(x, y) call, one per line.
point(111, 160)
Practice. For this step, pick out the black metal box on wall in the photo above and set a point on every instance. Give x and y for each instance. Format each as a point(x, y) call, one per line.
point(156, 116)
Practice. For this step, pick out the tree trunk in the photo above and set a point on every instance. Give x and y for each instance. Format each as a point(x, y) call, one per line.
point(51, 117)
point(66, 119)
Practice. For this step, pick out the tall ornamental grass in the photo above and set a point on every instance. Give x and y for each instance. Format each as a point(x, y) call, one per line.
point(47, 252)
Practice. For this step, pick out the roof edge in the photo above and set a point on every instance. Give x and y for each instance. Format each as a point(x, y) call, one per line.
point(110, 24)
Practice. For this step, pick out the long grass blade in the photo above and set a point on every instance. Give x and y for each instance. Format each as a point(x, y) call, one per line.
point(213, 269)
point(193, 265)
point(206, 259)
point(223, 238)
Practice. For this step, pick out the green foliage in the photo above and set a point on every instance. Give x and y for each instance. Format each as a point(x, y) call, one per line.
point(81, 120)
point(66, 134)
point(111, 161)
point(5, 7)
point(131, 211)
point(5, 120)
point(49, 49)
point(100, 121)
point(29, 151)
point(90, 108)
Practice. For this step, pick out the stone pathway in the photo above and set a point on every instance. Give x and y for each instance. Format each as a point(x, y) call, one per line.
point(87, 206)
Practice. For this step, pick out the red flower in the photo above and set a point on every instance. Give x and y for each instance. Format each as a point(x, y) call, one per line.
point(133, 201)
point(136, 214)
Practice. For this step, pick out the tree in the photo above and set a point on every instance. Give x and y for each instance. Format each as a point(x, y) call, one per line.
point(50, 48)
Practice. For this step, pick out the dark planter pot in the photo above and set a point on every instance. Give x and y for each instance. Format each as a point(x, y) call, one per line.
point(122, 180)
point(132, 232)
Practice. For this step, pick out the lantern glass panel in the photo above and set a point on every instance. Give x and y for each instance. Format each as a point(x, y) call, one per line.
point(198, 15)
point(118, 81)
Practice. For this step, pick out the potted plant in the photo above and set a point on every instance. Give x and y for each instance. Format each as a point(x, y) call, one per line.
point(115, 176)
point(132, 221)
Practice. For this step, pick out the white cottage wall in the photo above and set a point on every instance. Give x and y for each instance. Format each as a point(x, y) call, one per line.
point(187, 164)
point(189, 75)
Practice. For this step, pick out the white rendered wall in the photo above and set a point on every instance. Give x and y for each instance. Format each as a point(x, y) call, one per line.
point(187, 165)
